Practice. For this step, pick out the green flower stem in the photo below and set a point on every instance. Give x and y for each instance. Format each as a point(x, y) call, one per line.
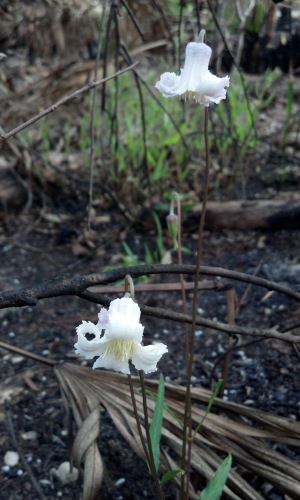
point(151, 462)
point(187, 439)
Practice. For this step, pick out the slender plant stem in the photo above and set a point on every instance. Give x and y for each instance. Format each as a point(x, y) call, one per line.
point(137, 418)
point(92, 119)
point(182, 284)
point(151, 463)
point(187, 423)
point(231, 299)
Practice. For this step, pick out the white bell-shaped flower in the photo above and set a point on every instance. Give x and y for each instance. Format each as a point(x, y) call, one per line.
point(195, 80)
point(117, 338)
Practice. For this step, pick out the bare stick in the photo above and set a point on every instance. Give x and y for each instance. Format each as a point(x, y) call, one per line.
point(26, 465)
point(27, 354)
point(66, 285)
point(231, 296)
point(158, 312)
point(64, 100)
point(92, 119)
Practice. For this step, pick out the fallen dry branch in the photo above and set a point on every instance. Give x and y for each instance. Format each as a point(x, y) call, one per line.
point(159, 312)
point(64, 100)
point(242, 431)
point(272, 214)
point(66, 285)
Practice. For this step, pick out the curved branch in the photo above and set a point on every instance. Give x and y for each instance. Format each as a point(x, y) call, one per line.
point(66, 285)
point(266, 333)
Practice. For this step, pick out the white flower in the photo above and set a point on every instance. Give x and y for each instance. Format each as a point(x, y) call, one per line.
point(195, 80)
point(117, 339)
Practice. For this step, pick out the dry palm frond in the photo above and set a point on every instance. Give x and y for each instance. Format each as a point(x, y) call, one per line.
point(234, 428)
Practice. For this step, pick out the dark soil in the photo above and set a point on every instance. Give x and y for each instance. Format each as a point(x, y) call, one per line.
point(263, 374)
point(48, 237)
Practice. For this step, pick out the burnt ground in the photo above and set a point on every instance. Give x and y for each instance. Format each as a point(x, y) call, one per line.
point(263, 375)
point(43, 234)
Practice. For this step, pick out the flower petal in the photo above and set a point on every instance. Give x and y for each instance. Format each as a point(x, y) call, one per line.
point(213, 87)
point(110, 362)
point(124, 316)
point(103, 318)
point(146, 357)
point(85, 347)
point(127, 307)
point(168, 84)
point(197, 56)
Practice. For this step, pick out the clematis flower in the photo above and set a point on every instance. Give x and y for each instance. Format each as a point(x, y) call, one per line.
point(195, 80)
point(117, 338)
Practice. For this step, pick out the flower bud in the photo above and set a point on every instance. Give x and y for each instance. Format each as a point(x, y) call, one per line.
point(172, 223)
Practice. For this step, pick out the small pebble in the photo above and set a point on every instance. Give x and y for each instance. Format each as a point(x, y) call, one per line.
point(17, 359)
point(11, 335)
point(11, 458)
point(45, 482)
point(64, 474)
point(29, 436)
point(120, 482)
point(5, 468)
point(19, 472)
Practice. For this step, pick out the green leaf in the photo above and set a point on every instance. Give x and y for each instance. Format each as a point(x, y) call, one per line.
point(215, 486)
point(170, 474)
point(157, 419)
point(210, 403)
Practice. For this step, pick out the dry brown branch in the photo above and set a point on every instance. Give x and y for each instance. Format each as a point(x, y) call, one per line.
point(77, 286)
point(64, 285)
point(159, 312)
point(63, 100)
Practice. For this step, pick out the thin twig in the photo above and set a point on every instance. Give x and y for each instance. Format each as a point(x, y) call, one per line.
point(27, 354)
point(158, 312)
point(66, 285)
point(244, 298)
point(231, 295)
point(15, 443)
point(235, 64)
point(216, 285)
point(64, 100)
point(92, 121)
